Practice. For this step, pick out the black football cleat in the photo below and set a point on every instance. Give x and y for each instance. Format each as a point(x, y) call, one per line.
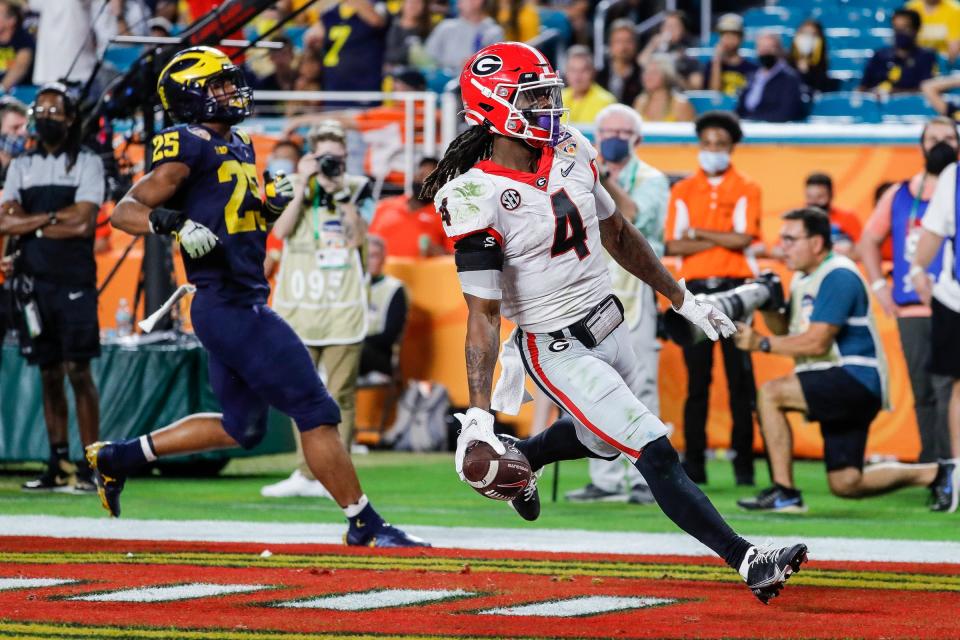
point(368, 529)
point(946, 487)
point(108, 487)
point(527, 504)
point(775, 499)
point(769, 569)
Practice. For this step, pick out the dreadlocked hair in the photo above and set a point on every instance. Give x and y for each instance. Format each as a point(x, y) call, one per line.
point(467, 149)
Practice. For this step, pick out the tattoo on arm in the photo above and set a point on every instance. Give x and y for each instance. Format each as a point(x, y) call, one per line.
point(483, 338)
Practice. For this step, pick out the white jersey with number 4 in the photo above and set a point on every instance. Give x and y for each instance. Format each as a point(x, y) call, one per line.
point(554, 270)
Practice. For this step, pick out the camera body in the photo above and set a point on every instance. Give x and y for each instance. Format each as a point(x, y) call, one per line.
point(330, 165)
point(765, 293)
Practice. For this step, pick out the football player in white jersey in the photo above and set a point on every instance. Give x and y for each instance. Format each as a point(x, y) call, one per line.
point(520, 195)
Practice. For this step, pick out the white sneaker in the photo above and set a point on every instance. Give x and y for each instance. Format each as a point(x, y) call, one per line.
point(296, 486)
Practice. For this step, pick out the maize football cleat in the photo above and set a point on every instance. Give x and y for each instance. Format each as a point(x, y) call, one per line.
point(108, 486)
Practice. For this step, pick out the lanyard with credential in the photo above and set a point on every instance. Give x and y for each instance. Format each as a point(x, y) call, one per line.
point(915, 206)
point(316, 210)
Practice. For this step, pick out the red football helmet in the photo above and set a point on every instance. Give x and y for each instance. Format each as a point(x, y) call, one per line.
point(511, 88)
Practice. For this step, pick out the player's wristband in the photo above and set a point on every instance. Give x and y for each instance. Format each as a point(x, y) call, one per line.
point(916, 270)
point(165, 221)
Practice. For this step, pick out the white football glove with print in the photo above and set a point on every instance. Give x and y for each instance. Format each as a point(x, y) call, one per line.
point(279, 192)
point(196, 239)
point(706, 317)
point(476, 424)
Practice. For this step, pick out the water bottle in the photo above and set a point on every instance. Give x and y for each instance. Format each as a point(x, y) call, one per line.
point(124, 319)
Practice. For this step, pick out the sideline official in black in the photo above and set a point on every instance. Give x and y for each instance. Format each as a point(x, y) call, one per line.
point(50, 202)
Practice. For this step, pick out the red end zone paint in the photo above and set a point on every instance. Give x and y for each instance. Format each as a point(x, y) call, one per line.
point(705, 609)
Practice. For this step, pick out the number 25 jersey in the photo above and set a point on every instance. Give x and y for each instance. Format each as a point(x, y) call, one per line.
point(548, 225)
point(222, 194)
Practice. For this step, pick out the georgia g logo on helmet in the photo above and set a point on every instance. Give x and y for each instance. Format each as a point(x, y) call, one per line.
point(486, 65)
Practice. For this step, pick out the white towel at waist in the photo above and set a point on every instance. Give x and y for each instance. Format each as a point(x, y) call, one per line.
point(509, 392)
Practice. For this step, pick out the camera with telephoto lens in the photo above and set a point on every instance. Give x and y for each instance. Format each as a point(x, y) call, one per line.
point(330, 166)
point(765, 293)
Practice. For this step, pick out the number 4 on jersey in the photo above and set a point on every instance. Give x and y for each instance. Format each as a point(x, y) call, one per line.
point(570, 232)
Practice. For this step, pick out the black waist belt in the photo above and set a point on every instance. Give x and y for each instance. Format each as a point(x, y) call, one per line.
point(589, 330)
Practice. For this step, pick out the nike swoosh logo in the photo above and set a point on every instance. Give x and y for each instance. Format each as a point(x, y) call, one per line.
point(779, 503)
point(566, 172)
point(76, 295)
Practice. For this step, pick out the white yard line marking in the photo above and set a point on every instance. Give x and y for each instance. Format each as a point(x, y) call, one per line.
point(589, 606)
point(560, 540)
point(171, 593)
point(375, 599)
point(31, 583)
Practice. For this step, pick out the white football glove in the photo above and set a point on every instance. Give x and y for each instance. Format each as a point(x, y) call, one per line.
point(476, 424)
point(196, 239)
point(706, 317)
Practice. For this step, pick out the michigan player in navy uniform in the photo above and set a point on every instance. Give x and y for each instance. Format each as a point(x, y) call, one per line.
point(203, 189)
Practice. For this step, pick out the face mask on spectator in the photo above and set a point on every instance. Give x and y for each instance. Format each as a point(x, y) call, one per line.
point(277, 165)
point(903, 40)
point(615, 149)
point(767, 60)
point(50, 131)
point(714, 161)
point(939, 156)
point(806, 43)
point(12, 145)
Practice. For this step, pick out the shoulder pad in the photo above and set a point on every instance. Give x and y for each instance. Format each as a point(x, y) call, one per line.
point(199, 132)
point(243, 135)
point(467, 204)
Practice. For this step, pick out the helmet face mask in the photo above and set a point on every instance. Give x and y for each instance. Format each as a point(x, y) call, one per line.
point(201, 84)
point(511, 89)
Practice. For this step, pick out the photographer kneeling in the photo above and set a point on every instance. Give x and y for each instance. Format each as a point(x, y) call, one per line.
point(840, 374)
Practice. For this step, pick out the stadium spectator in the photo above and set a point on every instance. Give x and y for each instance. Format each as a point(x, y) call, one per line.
point(774, 93)
point(712, 218)
point(728, 71)
point(902, 67)
point(662, 99)
point(13, 132)
point(168, 9)
point(673, 40)
point(810, 57)
point(408, 226)
point(159, 27)
point(119, 18)
point(407, 33)
point(455, 39)
point(936, 91)
point(898, 215)
point(16, 46)
point(641, 193)
point(519, 19)
point(353, 36)
point(578, 13)
point(839, 377)
point(845, 225)
point(633, 11)
point(279, 69)
point(386, 317)
point(63, 41)
point(941, 26)
point(582, 95)
point(320, 289)
point(50, 202)
point(621, 75)
point(943, 296)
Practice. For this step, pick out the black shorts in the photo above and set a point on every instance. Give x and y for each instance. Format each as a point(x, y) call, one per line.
point(70, 329)
point(945, 336)
point(844, 407)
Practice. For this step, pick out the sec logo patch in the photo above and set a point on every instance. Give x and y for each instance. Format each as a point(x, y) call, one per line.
point(510, 199)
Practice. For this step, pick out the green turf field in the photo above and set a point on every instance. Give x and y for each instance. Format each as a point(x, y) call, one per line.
point(423, 489)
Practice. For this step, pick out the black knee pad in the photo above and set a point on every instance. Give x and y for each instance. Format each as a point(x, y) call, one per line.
point(659, 457)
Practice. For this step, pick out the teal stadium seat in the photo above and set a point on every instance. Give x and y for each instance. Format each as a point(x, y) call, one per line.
point(557, 20)
point(710, 100)
point(766, 17)
point(296, 36)
point(847, 107)
point(25, 93)
point(906, 108)
point(121, 57)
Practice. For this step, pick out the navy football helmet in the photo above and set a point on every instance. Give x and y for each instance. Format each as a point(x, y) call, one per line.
point(201, 84)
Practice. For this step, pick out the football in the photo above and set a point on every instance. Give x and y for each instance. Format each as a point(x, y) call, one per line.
point(494, 476)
